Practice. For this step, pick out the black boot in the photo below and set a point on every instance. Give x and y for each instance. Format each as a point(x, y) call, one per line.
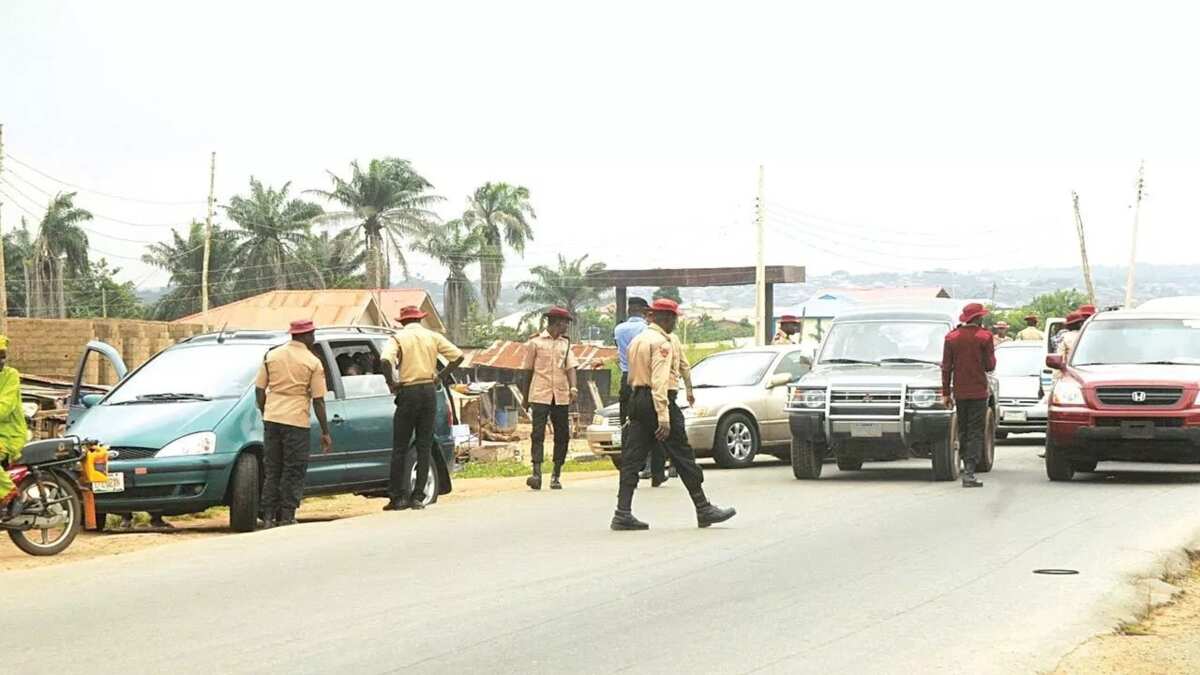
point(968, 477)
point(555, 478)
point(656, 481)
point(711, 515)
point(396, 504)
point(624, 520)
point(286, 518)
point(266, 522)
point(645, 470)
point(416, 504)
point(535, 479)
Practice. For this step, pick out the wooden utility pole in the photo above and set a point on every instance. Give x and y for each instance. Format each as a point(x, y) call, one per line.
point(212, 173)
point(103, 302)
point(1137, 208)
point(3, 272)
point(1087, 269)
point(760, 270)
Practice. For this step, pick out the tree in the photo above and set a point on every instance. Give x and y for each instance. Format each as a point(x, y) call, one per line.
point(60, 249)
point(500, 213)
point(596, 325)
point(479, 330)
point(561, 287)
point(389, 201)
point(272, 229)
point(337, 260)
point(18, 251)
point(455, 246)
point(668, 292)
point(96, 293)
point(184, 260)
point(1045, 306)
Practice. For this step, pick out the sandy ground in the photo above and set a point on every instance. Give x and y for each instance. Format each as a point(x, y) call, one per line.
point(1167, 641)
point(92, 545)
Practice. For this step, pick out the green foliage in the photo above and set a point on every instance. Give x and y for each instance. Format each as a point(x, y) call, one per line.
point(455, 246)
point(334, 261)
point(500, 214)
point(480, 332)
point(183, 259)
point(18, 248)
point(562, 287)
point(1049, 305)
point(272, 229)
point(596, 325)
point(510, 468)
point(96, 293)
point(707, 329)
point(668, 292)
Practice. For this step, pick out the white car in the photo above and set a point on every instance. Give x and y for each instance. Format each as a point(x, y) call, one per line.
point(1024, 387)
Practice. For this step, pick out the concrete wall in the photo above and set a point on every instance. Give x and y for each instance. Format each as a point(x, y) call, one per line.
point(52, 347)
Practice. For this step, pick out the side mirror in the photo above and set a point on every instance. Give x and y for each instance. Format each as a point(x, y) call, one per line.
point(90, 400)
point(1054, 361)
point(778, 380)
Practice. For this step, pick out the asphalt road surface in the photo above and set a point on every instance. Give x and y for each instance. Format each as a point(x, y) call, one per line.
point(880, 570)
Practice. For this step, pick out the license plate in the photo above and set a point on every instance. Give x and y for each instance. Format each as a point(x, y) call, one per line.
point(1137, 430)
point(865, 430)
point(115, 483)
point(616, 438)
point(1015, 416)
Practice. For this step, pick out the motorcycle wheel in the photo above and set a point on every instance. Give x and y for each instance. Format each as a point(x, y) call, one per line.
point(52, 540)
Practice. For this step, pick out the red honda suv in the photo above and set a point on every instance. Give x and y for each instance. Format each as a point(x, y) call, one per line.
point(1128, 393)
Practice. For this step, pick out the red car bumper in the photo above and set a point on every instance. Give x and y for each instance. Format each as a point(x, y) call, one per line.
point(1125, 434)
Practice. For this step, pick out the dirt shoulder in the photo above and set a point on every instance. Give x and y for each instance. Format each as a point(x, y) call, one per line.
point(91, 545)
point(1166, 641)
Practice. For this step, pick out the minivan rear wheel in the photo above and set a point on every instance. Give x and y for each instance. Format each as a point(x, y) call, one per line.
point(244, 494)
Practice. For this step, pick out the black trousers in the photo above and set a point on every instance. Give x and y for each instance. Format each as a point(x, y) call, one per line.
point(641, 442)
point(657, 461)
point(971, 418)
point(623, 399)
point(416, 407)
point(285, 462)
point(559, 417)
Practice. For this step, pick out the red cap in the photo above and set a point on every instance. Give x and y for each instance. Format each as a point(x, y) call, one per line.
point(301, 326)
point(1086, 310)
point(971, 312)
point(1075, 318)
point(558, 313)
point(789, 318)
point(665, 305)
point(410, 313)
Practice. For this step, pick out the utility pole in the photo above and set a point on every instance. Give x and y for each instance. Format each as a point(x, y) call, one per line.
point(3, 272)
point(212, 173)
point(103, 302)
point(760, 270)
point(1087, 269)
point(1137, 208)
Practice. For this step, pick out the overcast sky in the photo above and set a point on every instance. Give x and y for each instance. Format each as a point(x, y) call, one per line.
point(895, 136)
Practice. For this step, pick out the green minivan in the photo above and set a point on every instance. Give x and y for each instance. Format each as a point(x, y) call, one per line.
point(185, 433)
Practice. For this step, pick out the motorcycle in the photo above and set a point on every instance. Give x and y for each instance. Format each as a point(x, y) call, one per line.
point(53, 498)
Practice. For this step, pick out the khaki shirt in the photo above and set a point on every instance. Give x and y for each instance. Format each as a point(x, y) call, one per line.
point(413, 352)
point(549, 359)
point(292, 377)
point(1000, 339)
point(781, 338)
point(1068, 344)
point(680, 368)
point(1031, 334)
point(651, 362)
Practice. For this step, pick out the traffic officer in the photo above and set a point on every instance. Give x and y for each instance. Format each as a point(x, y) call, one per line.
point(788, 326)
point(681, 370)
point(651, 361)
point(549, 391)
point(1001, 333)
point(967, 357)
point(1031, 333)
point(1066, 343)
point(410, 364)
point(290, 381)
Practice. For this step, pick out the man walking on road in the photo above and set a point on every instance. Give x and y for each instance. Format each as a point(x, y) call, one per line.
point(412, 368)
point(651, 361)
point(549, 391)
point(624, 334)
point(290, 381)
point(1031, 333)
point(967, 357)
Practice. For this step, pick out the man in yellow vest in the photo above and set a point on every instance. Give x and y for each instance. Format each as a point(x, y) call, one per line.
point(13, 432)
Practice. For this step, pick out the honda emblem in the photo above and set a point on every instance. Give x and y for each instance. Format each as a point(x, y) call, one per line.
point(1138, 396)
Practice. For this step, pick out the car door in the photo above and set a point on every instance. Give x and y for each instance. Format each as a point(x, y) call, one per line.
point(82, 396)
point(774, 423)
point(361, 413)
point(326, 471)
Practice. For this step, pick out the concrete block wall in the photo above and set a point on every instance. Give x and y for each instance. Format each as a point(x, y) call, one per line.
point(52, 347)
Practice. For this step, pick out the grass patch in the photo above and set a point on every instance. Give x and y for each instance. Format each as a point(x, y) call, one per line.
point(510, 468)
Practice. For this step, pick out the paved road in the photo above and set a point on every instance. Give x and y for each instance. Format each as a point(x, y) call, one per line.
point(873, 571)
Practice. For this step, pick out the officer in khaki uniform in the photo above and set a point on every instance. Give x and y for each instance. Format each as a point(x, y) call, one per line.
point(290, 381)
point(549, 392)
point(653, 419)
point(680, 370)
point(411, 369)
point(1031, 333)
point(788, 326)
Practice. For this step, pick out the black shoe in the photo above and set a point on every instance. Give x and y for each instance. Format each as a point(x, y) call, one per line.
point(556, 481)
point(624, 520)
point(534, 482)
point(396, 505)
point(711, 515)
point(266, 523)
point(658, 480)
point(286, 518)
point(416, 504)
point(644, 474)
point(158, 523)
point(971, 483)
point(672, 473)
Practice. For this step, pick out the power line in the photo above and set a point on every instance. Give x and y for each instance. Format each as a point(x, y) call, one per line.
point(95, 215)
point(99, 192)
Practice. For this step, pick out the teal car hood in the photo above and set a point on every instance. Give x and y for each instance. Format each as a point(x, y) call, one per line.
point(150, 425)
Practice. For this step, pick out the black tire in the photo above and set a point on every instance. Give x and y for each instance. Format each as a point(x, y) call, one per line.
point(616, 460)
point(245, 490)
point(987, 458)
point(431, 485)
point(1085, 467)
point(807, 459)
point(1058, 468)
point(736, 443)
point(945, 454)
point(73, 508)
point(849, 463)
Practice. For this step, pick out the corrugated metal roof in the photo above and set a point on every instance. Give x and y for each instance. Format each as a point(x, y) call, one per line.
point(391, 300)
point(274, 310)
point(511, 355)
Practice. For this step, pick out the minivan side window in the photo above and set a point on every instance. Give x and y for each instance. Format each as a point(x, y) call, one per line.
point(357, 365)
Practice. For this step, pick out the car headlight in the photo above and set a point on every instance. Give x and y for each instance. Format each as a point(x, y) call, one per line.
point(1067, 392)
point(924, 398)
point(809, 398)
point(203, 443)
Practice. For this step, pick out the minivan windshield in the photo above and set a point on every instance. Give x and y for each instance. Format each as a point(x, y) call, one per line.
point(732, 369)
point(1020, 361)
point(880, 341)
point(196, 373)
point(1165, 341)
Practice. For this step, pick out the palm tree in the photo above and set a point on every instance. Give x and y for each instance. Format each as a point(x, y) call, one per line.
point(455, 246)
point(562, 287)
point(500, 213)
point(61, 247)
point(389, 201)
point(184, 260)
point(272, 230)
point(337, 259)
point(18, 252)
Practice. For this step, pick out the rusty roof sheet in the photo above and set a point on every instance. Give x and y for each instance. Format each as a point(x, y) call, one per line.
point(510, 355)
point(274, 310)
point(391, 300)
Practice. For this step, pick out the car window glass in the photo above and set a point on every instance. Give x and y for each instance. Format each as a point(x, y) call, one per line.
point(359, 386)
point(357, 365)
point(794, 364)
point(876, 340)
point(190, 369)
point(1138, 341)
